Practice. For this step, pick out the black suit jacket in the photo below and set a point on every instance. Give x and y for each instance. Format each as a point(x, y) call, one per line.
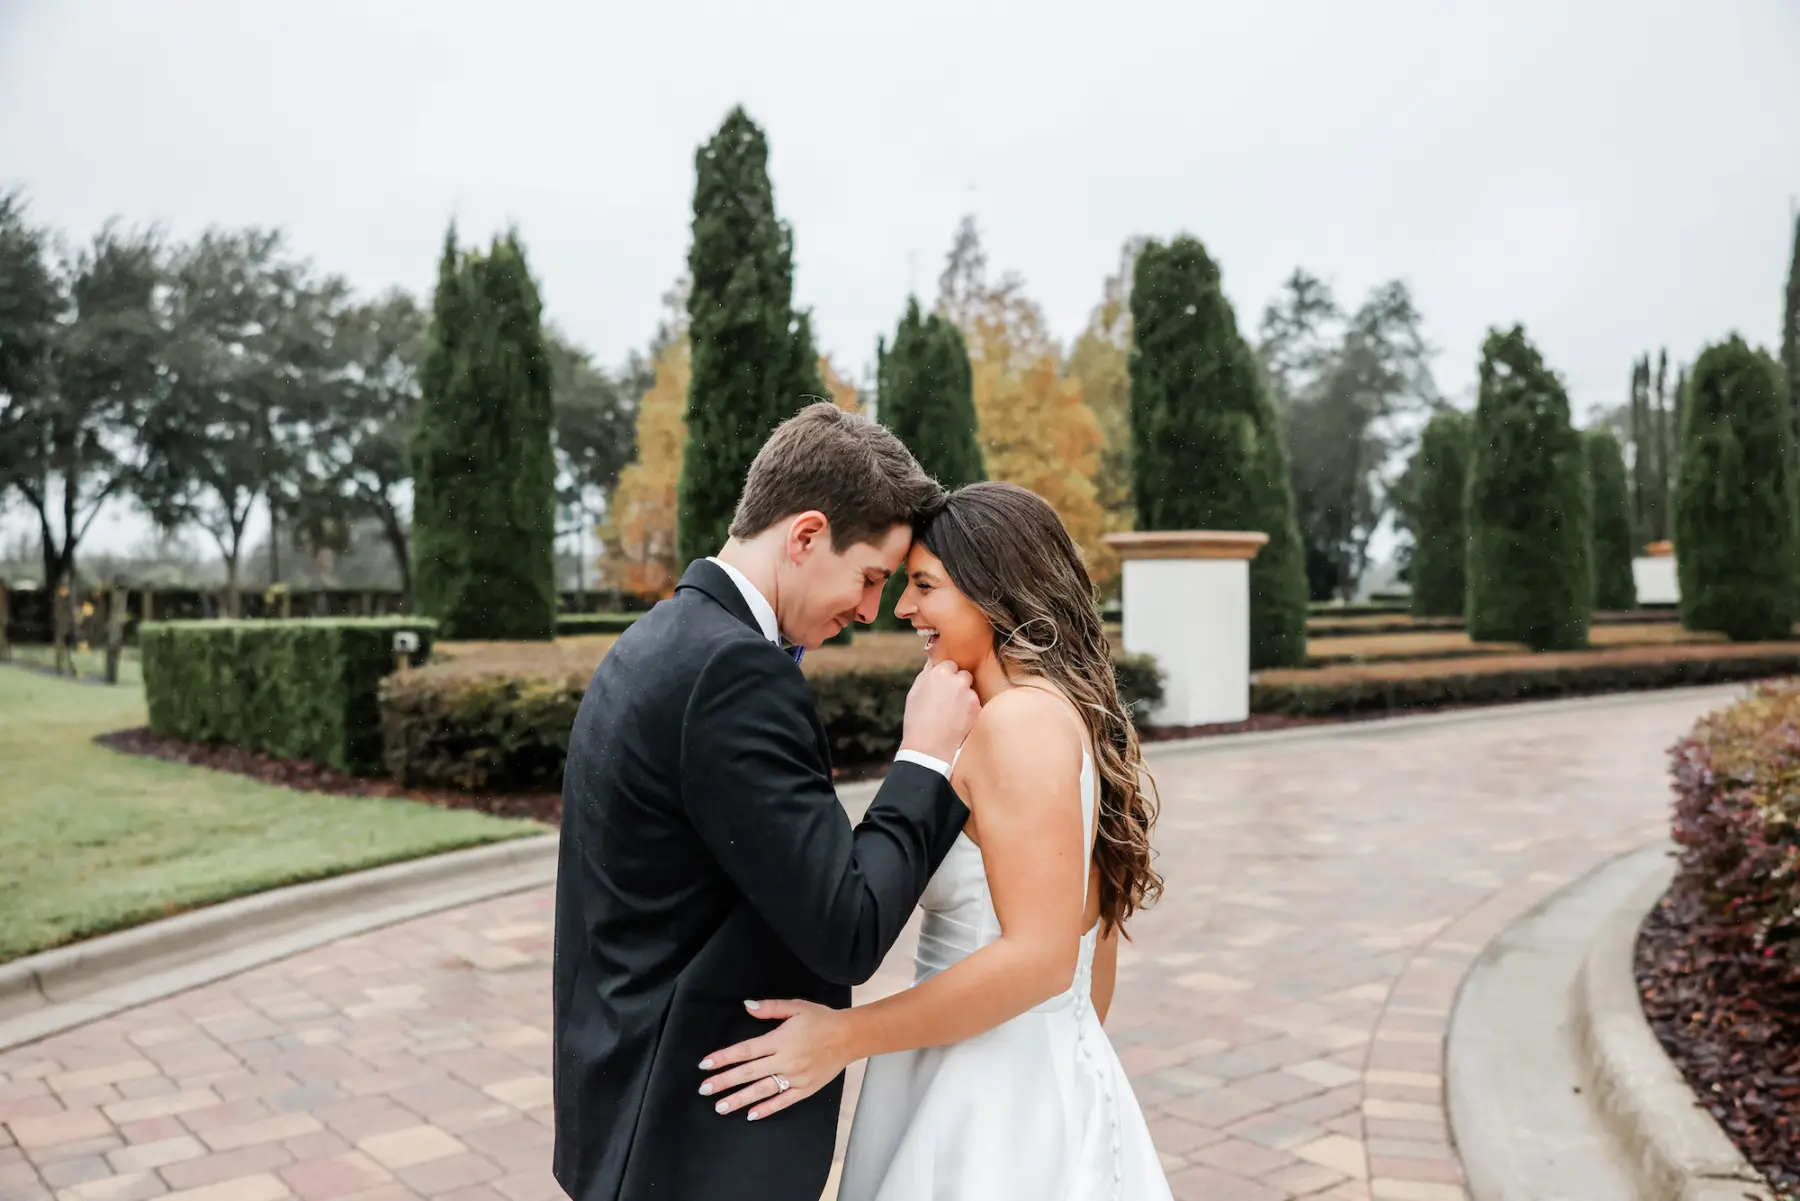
point(705, 861)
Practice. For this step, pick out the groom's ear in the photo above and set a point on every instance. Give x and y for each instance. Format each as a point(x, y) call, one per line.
point(807, 532)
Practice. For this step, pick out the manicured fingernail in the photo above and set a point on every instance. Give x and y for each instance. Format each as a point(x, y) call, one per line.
point(752, 1004)
point(706, 1090)
point(754, 1115)
point(721, 1107)
point(706, 1065)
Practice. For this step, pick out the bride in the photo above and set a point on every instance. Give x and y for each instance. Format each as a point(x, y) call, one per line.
point(991, 1078)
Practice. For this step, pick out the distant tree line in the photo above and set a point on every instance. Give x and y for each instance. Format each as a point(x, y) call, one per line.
point(207, 380)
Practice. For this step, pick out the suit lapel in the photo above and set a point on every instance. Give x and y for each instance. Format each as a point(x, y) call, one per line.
point(708, 578)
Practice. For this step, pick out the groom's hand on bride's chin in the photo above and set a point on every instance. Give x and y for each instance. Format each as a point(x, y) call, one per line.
point(808, 1050)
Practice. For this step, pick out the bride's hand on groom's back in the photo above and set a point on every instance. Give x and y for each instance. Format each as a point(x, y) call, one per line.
point(808, 1050)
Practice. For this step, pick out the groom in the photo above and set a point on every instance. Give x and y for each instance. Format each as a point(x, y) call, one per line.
point(705, 858)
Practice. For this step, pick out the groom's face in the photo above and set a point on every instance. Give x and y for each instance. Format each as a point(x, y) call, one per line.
point(827, 589)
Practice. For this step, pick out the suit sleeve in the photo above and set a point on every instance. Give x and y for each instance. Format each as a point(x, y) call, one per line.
point(755, 787)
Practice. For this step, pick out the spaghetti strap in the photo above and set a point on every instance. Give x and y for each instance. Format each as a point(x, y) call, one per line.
point(1090, 784)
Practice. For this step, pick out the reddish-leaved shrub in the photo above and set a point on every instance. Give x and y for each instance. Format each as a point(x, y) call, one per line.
point(1737, 819)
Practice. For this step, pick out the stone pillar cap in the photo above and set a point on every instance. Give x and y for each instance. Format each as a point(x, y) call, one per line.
point(1187, 544)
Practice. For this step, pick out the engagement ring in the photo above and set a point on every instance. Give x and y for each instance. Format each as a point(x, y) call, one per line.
point(781, 1086)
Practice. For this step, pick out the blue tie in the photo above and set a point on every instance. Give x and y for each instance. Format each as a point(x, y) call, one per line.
point(798, 652)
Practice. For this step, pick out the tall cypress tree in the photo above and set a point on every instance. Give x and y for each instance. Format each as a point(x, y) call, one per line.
point(1668, 441)
point(1790, 323)
point(1643, 452)
point(927, 397)
point(1678, 422)
point(484, 470)
point(754, 364)
point(1735, 541)
point(1655, 434)
point(926, 394)
point(1440, 535)
point(1206, 446)
point(1530, 509)
point(1614, 544)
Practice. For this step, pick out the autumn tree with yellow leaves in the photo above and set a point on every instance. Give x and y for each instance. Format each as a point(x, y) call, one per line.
point(639, 555)
point(843, 392)
point(638, 535)
point(1035, 427)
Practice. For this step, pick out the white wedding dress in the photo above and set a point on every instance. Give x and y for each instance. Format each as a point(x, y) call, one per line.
point(1037, 1109)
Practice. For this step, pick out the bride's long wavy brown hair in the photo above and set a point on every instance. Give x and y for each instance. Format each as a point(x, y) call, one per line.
point(1009, 553)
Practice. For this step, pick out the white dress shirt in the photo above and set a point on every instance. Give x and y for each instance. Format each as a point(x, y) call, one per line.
point(764, 612)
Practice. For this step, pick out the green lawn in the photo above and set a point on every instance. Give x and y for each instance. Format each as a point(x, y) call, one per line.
point(92, 840)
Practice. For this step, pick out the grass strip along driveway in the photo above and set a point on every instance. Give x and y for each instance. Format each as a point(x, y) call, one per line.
point(95, 841)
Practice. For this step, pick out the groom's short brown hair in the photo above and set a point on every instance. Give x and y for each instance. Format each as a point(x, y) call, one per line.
point(847, 467)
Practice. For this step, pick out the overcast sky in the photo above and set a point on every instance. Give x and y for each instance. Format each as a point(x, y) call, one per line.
point(1616, 174)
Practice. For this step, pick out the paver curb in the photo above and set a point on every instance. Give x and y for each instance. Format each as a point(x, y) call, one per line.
point(1672, 1146)
point(1513, 1091)
point(57, 990)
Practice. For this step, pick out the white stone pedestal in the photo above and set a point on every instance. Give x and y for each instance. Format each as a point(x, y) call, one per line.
point(1654, 574)
point(1656, 581)
point(1187, 604)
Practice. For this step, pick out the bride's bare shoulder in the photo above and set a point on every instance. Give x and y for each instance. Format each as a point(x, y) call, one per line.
point(1023, 723)
point(1024, 753)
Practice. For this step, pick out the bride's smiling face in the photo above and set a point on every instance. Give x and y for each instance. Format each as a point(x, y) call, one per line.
point(954, 630)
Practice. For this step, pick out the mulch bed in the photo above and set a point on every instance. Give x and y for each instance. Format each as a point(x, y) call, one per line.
point(544, 807)
point(1258, 723)
point(1730, 1019)
point(1595, 659)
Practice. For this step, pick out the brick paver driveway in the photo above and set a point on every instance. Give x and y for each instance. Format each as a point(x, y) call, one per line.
point(1282, 1011)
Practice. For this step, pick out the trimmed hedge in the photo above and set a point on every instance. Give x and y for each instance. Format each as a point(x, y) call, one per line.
point(1737, 822)
point(303, 690)
point(1440, 557)
point(1367, 627)
point(1718, 961)
point(576, 625)
point(1736, 498)
point(1718, 964)
point(1416, 646)
point(477, 732)
point(482, 454)
point(1389, 687)
point(453, 727)
point(753, 356)
point(1615, 543)
point(1324, 627)
point(1206, 446)
point(573, 625)
point(1529, 509)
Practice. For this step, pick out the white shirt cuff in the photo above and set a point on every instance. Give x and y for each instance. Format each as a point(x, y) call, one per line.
point(936, 765)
